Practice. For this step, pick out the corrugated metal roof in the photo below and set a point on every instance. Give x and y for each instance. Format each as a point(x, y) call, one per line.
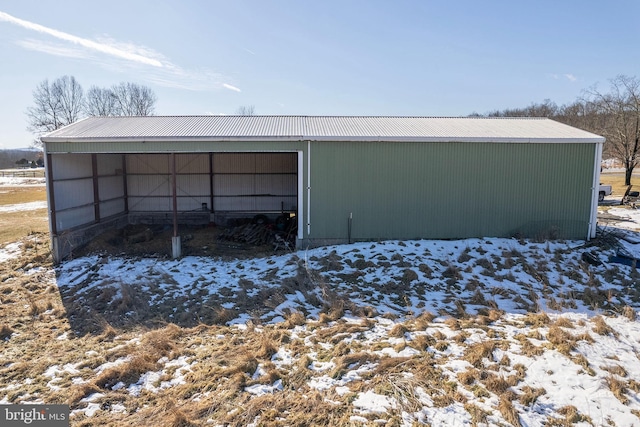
point(319, 128)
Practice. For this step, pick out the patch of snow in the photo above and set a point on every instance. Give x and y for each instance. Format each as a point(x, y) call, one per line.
point(20, 207)
point(118, 408)
point(262, 389)
point(10, 251)
point(390, 352)
point(91, 408)
point(342, 390)
point(321, 366)
point(370, 402)
point(322, 383)
point(282, 358)
point(108, 365)
point(241, 321)
point(557, 373)
point(452, 415)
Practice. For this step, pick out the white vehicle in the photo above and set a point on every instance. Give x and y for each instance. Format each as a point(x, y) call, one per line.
point(605, 190)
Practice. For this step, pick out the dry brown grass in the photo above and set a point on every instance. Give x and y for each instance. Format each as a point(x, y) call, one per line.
point(15, 225)
point(629, 312)
point(561, 340)
point(564, 322)
point(618, 387)
point(398, 330)
point(349, 361)
point(615, 370)
point(294, 319)
point(478, 415)
point(227, 359)
point(530, 395)
point(571, 416)
point(128, 372)
point(616, 181)
point(601, 327)
point(495, 383)
point(536, 319)
point(422, 342)
point(507, 410)
point(423, 321)
point(478, 352)
point(469, 377)
point(287, 409)
point(453, 323)
point(581, 360)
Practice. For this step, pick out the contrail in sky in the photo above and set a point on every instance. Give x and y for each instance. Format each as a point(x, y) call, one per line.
point(89, 44)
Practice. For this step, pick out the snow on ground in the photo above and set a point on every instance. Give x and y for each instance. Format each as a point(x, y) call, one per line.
point(631, 217)
point(10, 251)
point(20, 207)
point(21, 177)
point(398, 280)
point(395, 281)
point(395, 277)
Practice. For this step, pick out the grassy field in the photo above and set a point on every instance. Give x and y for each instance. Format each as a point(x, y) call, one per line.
point(144, 349)
point(616, 181)
point(15, 225)
point(109, 350)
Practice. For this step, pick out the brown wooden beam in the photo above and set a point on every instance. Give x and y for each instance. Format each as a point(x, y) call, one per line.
point(125, 184)
point(96, 187)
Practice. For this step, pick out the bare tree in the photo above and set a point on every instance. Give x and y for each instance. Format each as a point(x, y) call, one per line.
point(57, 104)
point(581, 114)
point(246, 110)
point(618, 119)
point(100, 102)
point(132, 99)
point(547, 108)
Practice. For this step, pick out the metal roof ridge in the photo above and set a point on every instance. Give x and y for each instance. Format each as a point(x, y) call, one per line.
point(312, 116)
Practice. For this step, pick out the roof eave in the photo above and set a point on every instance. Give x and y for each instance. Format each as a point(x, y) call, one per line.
point(143, 139)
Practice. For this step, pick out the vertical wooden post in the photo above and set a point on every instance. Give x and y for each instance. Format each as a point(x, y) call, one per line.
point(210, 182)
point(174, 189)
point(125, 184)
point(96, 188)
point(176, 245)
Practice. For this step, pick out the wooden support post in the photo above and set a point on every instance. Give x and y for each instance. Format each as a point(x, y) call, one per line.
point(175, 241)
point(125, 184)
point(96, 187)
point(210, 182)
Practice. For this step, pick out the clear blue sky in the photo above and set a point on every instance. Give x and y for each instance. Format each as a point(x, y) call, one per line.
point(345, 57)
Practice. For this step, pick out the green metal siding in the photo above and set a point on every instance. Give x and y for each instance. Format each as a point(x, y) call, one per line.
point(408, 190)
point(450, 190)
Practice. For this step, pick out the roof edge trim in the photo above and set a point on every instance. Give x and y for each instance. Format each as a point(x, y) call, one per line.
point(143, 140)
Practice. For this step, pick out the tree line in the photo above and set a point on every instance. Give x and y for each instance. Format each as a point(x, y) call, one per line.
point(613, 113)
point(11, 158)
point(63, 101)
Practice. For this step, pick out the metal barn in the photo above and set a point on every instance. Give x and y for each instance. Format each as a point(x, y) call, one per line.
point(342, 178)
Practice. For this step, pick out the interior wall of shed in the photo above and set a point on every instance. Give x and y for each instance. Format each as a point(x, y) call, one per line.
point(93, 192)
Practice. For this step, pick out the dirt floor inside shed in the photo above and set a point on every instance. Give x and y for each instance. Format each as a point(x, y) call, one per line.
point(242, 241)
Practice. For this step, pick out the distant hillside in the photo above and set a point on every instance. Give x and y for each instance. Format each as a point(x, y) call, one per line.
point(9, 158)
